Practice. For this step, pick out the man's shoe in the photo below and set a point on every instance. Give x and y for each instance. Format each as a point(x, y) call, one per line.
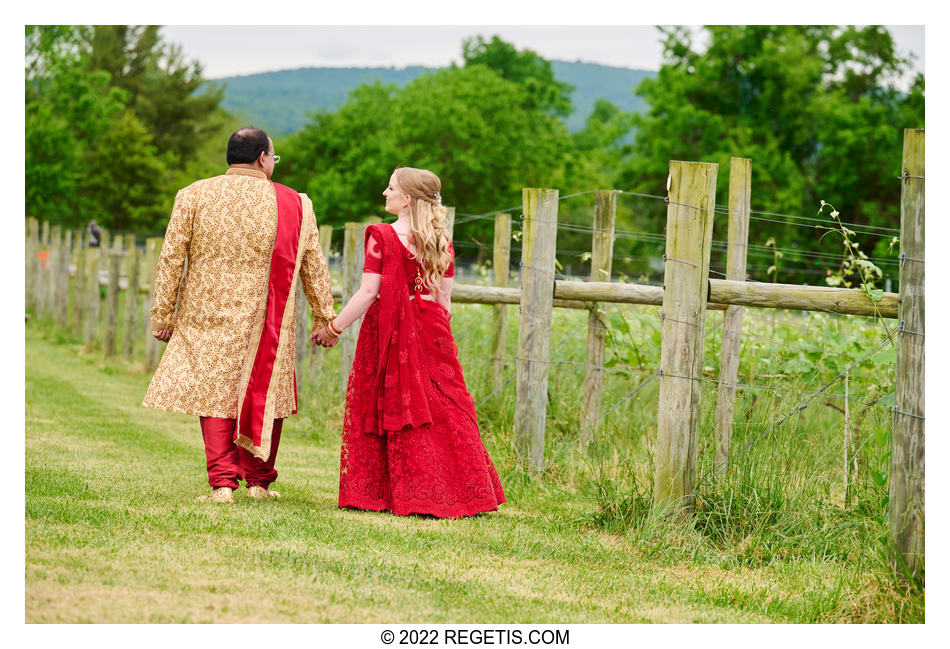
point(260, 493)
point(220, 495)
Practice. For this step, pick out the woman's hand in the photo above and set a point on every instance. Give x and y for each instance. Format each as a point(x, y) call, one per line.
point(325, 338)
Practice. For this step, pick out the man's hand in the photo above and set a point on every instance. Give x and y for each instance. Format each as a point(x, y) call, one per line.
point(163, 334)
point(324, 338)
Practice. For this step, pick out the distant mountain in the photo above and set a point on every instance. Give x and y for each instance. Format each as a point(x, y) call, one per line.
point(592, 81)
point(282, 101)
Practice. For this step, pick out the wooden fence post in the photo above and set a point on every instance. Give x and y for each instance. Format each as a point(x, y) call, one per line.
point(906, 500)
point(501, 261)
point(32, 270)
point(62, 285)
point(353, 258)
point(43, 270)
point(601, 262)
point(450, 217)
point(689, 221)
point(326, 240)
point(740, 192)
point(59, 277)
point(318, 354)
point(80, 295)
point(127, 243)
point(112, 300)
point(104, 238)
point(52, 271)
point(93, 302)
point(534, 329)
point(132, 301)
point(153, 346)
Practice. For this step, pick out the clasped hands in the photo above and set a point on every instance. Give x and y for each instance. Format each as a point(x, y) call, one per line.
point(324, 337)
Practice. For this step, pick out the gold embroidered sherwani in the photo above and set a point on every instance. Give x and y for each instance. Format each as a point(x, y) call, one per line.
point(226, 226)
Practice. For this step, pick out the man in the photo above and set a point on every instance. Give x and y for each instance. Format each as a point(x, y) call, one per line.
point(230, 354)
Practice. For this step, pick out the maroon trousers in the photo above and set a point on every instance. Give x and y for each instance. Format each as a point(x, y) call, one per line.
point(228, 463)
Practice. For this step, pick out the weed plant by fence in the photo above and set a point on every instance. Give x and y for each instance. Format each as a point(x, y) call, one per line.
point(105, 293)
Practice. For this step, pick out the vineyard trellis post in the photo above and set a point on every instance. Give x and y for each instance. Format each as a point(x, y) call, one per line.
point(740, 192)
point(501, 260)
point(538, 243)
point(691, 196)
point(601, 260)
point(906, 491)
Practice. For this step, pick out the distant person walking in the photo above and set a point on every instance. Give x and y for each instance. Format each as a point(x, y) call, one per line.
point(95, 234)
point(410, 435)
point(230, 355)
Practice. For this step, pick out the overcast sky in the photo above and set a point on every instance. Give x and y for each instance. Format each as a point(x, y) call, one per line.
point(224, 50)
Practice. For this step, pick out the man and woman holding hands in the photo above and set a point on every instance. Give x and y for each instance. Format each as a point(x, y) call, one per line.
point(224, 300)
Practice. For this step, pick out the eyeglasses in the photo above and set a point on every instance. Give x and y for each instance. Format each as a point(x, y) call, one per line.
point(276, 159)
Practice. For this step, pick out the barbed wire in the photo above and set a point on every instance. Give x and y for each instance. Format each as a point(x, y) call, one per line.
point(801, 406)
point(723, 209)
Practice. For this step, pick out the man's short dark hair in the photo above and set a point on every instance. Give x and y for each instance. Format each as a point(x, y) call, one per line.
point(246, 145)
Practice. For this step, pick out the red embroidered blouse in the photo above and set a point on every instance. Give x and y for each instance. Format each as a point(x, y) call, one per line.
point(374, 262)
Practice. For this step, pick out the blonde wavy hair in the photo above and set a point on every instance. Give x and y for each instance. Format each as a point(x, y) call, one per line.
point(429, 220)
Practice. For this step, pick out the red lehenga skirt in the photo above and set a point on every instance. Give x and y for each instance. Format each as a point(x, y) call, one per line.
point(441, 469)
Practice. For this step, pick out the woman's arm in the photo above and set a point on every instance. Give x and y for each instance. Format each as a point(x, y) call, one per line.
point(360, 302)
point(354, 309)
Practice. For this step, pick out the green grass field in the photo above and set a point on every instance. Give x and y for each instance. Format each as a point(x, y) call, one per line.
point(113, 533)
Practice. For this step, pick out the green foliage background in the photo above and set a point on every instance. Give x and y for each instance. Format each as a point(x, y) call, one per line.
point(117, 121)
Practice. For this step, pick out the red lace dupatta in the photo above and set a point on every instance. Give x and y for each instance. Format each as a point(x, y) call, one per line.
point(269, 337)
point(401, 400)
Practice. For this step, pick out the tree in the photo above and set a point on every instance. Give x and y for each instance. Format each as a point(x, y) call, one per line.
point(67, 111)
point(468, 125)
point(112, 124)
point(471, 127)
point(812, 106)
point(343, 159)
point(162, 87)
point(525, 68)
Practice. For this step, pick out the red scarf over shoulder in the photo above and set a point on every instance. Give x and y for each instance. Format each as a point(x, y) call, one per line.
point(401, 400)
point(255, 400)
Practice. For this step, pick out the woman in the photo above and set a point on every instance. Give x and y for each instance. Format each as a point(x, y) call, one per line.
point(410, 436)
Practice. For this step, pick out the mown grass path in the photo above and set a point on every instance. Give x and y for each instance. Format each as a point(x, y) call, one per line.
point(113, 534)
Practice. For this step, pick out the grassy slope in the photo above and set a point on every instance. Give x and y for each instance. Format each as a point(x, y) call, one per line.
point(113, 535)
